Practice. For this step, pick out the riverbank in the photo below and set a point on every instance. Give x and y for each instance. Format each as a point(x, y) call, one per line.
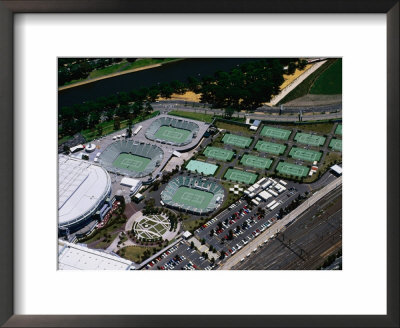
point(107, 76)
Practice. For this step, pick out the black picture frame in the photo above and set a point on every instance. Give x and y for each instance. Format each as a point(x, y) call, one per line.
point(11, 7)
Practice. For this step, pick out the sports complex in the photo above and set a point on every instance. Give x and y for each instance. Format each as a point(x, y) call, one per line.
point(240, 176)
point(309, 139)
point(305, 154)
point(130, 158)
point(255, 161)
point(235, 140)
point(172, 131)
point(275, 133)
point(292, 169)
point(219, 154)
point(336, 144)
point(193, 195)
point(339, 129)
point(270, 147)
point(201, 167)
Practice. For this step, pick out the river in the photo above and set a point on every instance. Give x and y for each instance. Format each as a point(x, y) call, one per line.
point(180, 70)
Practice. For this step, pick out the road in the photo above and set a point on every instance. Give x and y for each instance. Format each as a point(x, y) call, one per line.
point(230, 262)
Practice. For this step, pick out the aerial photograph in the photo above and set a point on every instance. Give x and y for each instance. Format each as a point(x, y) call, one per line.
point(199, 163)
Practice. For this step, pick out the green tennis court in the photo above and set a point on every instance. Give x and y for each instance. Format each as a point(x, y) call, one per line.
point(219, 154)
point(336, 144)
point(257, 162)
point(275, 133)
point(309, 139)
point(292, 169)
point(239, 141)
point(305, 154)
point(240, 176)
point(270, 147)
point(131, 162)
point(192, 197)
point(201, 167)
point(168, 133)
point(339, 129)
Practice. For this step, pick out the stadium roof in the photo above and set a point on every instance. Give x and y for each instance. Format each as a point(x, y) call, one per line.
point(82, 186)
point(78, 257)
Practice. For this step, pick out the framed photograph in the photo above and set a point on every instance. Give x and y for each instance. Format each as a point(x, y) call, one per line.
point(183, 165)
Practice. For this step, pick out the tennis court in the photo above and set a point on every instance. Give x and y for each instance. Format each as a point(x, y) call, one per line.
point(219, 154)
point(336, 144)
point(131, 162)
point(240, 176)
point(309, 139)
point(192, 197)
point(168, 133)
point(275, 133)
point(292, 169)
point(257, 162)
point(305, 154)
point(201, 167)
point(235, 140)
point(270, 147)
point(339, 129)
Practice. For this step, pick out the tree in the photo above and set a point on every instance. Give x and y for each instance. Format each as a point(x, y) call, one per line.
point(230, 234)
point(129, 131)
point(211, 232)
point(229, 112)
point(291, 68)
point(117, 123)
point(191, 244)
point(203, 241)
point(99, 130)
point(66, 149)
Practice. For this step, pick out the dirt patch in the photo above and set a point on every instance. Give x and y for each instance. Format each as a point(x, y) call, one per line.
point(315, 100)
point(187, 96)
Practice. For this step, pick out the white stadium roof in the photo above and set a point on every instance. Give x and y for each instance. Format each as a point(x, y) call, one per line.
point(82, 186)
point(77, 257)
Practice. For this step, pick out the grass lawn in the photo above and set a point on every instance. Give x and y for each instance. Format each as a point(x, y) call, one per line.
point(64, 139)
point(304, 88)
point(124, 65)
point(208, 118)
point(232, 128)
point(330, 81)
point(323, 128)
point(135, 253)
point(192, 225)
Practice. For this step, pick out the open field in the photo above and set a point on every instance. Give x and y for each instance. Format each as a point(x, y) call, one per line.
point(234, 128)
point(304, 88)
point(292, 169)
point(201, 167)
point(135, 253)
point(330, 81)
point(336, 144)
point(239, 141)
point(240, 176)
point(219, 154)
point(257, 162)
point(192, 197)
point(309, 139)
point(276, 133)
point(270, 147)
point(131, 162)
point(305, 154)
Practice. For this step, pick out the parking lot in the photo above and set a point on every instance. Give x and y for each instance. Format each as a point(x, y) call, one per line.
point(180, 257)
point(244, 221)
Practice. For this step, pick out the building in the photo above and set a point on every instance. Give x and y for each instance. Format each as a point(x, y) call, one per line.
point(337, 170)
point(83, 189)
point(79, 257)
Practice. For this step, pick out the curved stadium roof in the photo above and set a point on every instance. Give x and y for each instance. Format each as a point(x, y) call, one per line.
point(82, 187)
